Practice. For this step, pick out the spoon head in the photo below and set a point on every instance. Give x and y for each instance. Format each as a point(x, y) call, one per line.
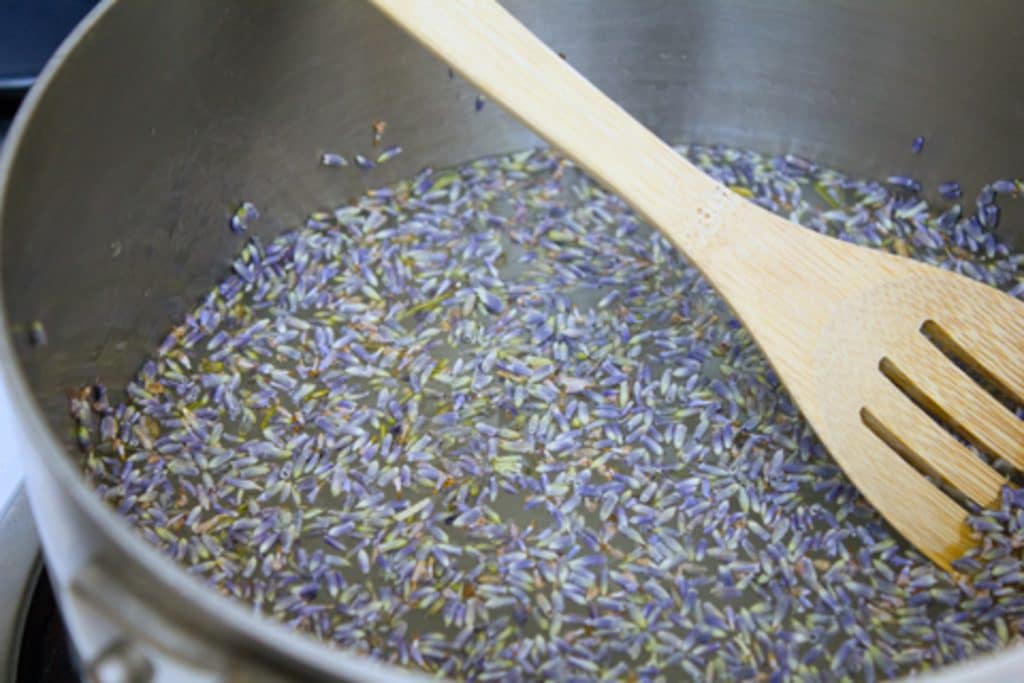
point(913, 391)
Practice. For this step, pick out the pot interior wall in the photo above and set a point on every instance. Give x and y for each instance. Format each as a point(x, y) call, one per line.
point(167, 115)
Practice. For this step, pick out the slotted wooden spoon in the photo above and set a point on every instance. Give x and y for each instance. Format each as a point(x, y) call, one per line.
point(844, 327)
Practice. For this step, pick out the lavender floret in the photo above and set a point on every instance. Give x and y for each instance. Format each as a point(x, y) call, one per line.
point(487, 424)
point(950, 190)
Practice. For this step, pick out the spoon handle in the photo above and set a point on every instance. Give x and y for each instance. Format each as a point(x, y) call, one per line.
point(501, 57)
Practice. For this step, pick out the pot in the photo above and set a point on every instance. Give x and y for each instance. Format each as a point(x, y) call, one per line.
point(155, 119)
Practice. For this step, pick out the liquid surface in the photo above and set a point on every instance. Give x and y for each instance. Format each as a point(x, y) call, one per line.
point(486, 423)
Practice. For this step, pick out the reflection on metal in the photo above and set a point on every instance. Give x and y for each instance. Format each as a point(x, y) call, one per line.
point(121, 662)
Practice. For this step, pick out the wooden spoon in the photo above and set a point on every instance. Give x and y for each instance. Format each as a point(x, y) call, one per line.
point(858, 336)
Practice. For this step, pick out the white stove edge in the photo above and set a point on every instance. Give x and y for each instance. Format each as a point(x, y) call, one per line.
point(19, 545)
point(19, 567)
point(10, 466)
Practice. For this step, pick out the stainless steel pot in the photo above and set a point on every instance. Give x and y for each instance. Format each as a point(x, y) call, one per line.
point(157, 118)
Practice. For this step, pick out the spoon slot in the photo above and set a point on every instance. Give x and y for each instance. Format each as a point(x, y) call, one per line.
point(902, 424)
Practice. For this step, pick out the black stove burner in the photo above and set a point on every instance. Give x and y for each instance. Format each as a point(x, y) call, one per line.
point(8, 105)
point(45, 654)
